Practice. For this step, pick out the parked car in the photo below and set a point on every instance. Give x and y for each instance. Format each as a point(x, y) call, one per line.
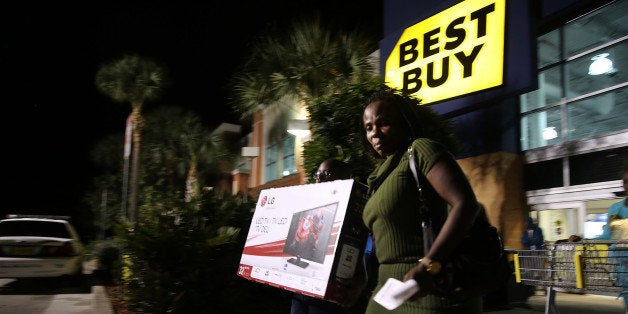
point(39, 246)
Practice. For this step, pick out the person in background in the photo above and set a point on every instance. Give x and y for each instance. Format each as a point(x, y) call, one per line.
point(618, 210)
point(532, 237)
point(329, 170)
point(393, 122)
point(532, 240)
point(618, 252)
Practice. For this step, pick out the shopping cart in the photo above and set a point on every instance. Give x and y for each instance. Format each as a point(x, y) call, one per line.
point(577, 267)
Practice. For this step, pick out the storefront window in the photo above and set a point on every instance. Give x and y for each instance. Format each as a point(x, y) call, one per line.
point(548, 46)
point(596, 71)
point(597, 166)
point(543, 175)
point(549, 91)
point(595, 29)
point(598, 115)
point(280, 159)
point(289, 163)
point(573, 127)
point(582, 89)
point(541, 128)
point(271, 162)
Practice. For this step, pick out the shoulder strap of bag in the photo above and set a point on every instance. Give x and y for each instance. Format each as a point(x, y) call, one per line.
point(426, 222)
point(422, 206)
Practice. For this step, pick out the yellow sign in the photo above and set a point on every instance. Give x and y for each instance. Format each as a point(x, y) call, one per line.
point(455, 52)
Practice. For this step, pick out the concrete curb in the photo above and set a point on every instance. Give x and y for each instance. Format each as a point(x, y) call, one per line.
point(100, 301)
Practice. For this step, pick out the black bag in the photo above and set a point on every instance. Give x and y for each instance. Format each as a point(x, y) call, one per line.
point(478, 266)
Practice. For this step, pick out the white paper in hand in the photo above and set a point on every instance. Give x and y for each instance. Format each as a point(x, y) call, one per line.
point(395, 292)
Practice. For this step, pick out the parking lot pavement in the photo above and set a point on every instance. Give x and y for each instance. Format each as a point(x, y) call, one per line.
point(51, 297)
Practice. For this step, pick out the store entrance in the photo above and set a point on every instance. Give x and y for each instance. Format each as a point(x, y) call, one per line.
point(562, 219)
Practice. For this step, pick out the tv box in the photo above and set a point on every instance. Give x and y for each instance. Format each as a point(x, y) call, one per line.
point(308, 239)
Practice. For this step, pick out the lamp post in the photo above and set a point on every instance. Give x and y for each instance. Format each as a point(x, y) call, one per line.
point(299, 128)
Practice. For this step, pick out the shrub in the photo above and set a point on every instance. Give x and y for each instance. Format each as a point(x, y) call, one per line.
point(184, 259)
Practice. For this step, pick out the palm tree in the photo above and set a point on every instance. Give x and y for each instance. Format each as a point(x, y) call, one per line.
point(135, 80)
point(181, 151)
point(285, 71)
point(310, 62)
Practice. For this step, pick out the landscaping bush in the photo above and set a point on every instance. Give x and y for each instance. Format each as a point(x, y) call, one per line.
point(184, 259)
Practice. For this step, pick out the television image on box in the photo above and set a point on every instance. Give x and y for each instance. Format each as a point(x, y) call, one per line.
point(309, 233)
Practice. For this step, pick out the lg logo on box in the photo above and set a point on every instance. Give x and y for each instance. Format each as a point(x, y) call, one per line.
point(268, 200)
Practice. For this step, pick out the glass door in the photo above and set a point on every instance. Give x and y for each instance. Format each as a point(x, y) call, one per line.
point(561, 220)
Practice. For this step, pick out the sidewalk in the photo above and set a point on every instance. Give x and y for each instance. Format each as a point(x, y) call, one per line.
point(99, 300)
point(569, 303)
point(566, 303)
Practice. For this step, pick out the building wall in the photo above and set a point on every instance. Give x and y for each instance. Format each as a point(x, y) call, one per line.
point(497, 180)
point(489, 130)
point(489, 127)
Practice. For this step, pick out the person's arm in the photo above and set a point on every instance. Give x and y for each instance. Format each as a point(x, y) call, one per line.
point(452, 185)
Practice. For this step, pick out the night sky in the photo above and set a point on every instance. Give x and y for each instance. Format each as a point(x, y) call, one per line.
point(52, 112)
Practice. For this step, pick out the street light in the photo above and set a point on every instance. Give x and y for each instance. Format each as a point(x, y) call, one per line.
point(299, 128)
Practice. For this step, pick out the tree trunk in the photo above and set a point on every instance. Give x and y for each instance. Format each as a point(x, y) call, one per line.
point(192, 188)
point(135, 162)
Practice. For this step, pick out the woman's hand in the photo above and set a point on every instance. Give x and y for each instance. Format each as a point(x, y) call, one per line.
point(423, 278)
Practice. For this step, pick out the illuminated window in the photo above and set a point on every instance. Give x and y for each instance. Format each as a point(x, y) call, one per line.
point(280, 159)
point(289, 165)
point(571, 122)
point(569, 100)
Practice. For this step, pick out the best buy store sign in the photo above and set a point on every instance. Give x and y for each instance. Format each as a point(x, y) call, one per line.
point(455, 52)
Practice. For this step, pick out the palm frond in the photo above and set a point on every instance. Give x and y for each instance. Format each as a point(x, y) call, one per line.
point(310, 61)
point(132, 78)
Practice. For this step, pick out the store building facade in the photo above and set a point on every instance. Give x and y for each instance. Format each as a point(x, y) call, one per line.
point(544, 129)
